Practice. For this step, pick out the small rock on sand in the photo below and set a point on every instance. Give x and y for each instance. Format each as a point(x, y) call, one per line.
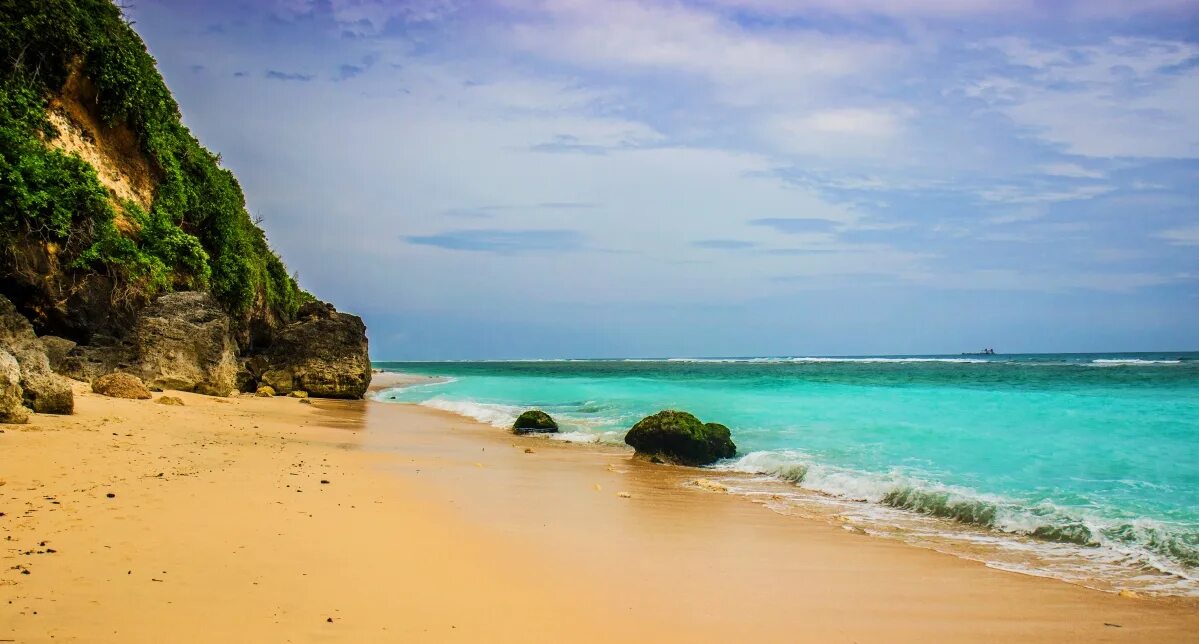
point(170, 400)
point(710, 485)
point(624, 495)
point(1129, 594)
point(529, 450)
point(121, 385)
point(306, 401)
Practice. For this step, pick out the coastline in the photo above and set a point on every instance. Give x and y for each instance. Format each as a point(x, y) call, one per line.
point(436, 527)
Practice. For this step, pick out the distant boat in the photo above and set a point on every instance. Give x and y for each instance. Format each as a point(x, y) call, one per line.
point(984, 352)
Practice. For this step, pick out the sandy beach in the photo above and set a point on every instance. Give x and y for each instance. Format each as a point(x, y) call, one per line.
point(252, 519)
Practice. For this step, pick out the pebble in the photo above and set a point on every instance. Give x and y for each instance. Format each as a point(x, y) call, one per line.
point(111, 495)
point(529, 450)
point(624, 495)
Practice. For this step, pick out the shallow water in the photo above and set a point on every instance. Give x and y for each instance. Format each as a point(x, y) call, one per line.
point(1081, 467)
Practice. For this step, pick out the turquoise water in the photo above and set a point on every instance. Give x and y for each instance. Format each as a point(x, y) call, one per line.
point(1083, 461)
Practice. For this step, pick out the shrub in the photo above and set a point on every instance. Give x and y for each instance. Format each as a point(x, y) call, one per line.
point(197, 233)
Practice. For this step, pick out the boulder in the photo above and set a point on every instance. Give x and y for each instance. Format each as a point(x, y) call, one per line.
point(264, 392)
point(11, 408)
point(56, 349)
point(678, 437)
point(535, 421)
point(170, 400)
point(121, 385)
point(42, 390)
point(297, 393)
point(88, 362)
point(184, 341)
point(323, 352)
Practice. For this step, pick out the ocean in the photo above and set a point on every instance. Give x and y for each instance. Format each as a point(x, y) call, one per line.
point(1083, 467)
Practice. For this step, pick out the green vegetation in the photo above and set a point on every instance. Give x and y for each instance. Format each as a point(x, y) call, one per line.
point(196, 234)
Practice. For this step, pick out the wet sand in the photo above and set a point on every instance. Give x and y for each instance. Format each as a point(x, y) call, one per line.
point(432, 528)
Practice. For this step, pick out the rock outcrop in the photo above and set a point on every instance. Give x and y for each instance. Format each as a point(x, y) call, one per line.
point(324, 352)
point(57, 349)
point(88, 362)
point(678, 437)
point(535, 421)
point(121, 385)
point(184, 341)
point(12, 409)
point(42, 390)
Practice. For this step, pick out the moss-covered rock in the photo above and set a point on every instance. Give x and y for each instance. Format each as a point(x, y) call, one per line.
point(678, 437)
point(535, 421)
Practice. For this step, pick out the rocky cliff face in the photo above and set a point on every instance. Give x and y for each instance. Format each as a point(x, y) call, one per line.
point(123, 241)
point(324, 352)
point(41, 389)
point(185, 341)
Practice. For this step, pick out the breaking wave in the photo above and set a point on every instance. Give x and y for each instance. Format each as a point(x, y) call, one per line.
point(1166, 547)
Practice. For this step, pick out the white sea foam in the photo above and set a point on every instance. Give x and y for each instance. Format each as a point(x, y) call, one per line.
point(816, 360)
point(1130, 362)
point(491, 414)
point(611, 438)
point(1068, 543)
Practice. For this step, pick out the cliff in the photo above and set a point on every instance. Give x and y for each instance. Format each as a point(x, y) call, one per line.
point(107, 201)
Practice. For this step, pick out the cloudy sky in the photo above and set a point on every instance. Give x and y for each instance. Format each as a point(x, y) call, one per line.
point(587, 178)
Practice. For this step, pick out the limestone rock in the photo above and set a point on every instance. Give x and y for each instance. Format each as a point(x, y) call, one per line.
point(535, 421)
point(11, 409)
point(170, 400)
point(121, 385)
point(56, 349)
point(265, 391)
point(42, 390)
point(88, 362)
point(323, 352)
point(678, 437)
point(297, 393)
point(184, 341)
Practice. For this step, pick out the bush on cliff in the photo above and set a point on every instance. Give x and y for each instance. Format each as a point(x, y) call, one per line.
point(196, 233)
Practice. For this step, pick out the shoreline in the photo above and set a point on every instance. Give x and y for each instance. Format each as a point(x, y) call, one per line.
point(1087, 565)
point(434, 527)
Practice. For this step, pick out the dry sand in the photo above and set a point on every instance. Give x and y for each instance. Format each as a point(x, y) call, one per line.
point(431, 528)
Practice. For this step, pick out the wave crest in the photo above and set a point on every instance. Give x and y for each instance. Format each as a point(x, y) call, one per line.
point(1170, 548)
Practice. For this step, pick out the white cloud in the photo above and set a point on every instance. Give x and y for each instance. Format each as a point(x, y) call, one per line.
point(369, 16)
point(1124, 97)
point(1025, 195)
point(960, 9)
point(1182, 236)
point(747, 66)
point(1072, 170)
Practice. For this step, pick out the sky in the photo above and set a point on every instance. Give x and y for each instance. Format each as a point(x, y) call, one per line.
point(646, 178)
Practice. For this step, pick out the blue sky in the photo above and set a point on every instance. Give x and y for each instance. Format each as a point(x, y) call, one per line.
point(577, 178)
